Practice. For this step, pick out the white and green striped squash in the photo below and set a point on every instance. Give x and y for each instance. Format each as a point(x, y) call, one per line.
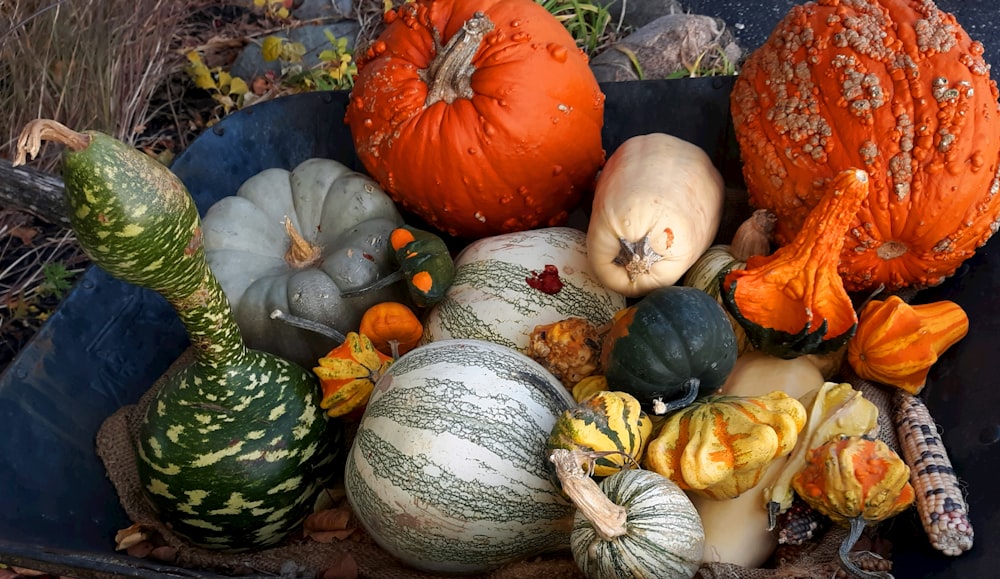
point(491, 298)
point(663, 538)
point(448, 469)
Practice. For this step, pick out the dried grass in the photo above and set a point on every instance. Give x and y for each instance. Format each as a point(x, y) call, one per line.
point(86, 63)
point(109, 65)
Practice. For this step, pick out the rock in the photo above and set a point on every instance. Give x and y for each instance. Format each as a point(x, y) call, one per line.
point(327, 10)
point(250, 63)
point(639, 13)
point(667, 45)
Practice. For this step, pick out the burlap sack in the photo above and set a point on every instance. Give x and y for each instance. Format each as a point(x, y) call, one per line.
point(301, 557)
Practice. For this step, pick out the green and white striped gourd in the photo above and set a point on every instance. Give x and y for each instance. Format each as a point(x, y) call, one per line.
point(634, 524)
point(491, 298)
point(234, 447)
point(448, 469)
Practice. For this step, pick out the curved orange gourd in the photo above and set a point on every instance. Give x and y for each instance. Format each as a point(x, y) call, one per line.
point(895, 87)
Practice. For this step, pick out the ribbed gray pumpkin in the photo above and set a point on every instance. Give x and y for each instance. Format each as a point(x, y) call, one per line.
point(234, 446)
point(336, 240)
point(447, 471)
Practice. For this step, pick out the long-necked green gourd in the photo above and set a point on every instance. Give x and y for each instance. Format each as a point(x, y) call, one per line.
point(234, 446)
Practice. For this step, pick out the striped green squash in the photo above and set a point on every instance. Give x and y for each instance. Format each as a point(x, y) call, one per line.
point(661, 535)
point(234, 446)
point(605, 422)
point(447, 471)
point(502, 290)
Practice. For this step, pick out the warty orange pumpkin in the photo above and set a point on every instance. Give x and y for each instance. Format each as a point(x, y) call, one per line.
point(480, 116)
point(895, 87)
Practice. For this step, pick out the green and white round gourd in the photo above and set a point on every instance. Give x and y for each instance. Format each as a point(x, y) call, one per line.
point(447, 471)
point(491, 299)
point(663, 537)
point(234, 446)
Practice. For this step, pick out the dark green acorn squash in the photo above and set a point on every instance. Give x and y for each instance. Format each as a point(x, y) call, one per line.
point(674, 345)
point(234, 446)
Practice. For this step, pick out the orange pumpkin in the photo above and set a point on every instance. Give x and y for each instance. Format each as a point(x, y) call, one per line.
point(480, 116)
point(897, 343)
point(897, 88)
point(793, 302)
point(392, 327)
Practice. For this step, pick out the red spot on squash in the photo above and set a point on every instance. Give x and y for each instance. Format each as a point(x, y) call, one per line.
point(547, 281)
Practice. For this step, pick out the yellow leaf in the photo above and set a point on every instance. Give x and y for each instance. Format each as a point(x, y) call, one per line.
point(282, 12)
point(386, 5)
point(238, 86)
point(259, 2)
point(270, 48)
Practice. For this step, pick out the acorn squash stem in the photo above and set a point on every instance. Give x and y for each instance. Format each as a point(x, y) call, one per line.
point(449, 75)
point(608, 518)
point(661, 408)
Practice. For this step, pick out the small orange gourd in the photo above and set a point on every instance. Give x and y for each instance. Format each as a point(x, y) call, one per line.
point(348, 374)
point(897, 343)
point(392, 327)
point(793, 302)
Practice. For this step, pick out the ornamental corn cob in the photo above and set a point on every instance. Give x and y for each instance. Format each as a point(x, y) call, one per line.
point(800, 523)
point(940, 500)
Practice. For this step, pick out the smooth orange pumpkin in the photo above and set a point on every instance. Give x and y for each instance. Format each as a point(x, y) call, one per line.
point(897, 343)
point(480, 116)
point(793, 302)
point(392, 327)
point(895, 87)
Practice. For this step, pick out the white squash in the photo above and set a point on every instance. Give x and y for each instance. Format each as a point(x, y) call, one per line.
point(657, 207)
point(736, 530)
point(507, 284)
point(756, 374)
point(448, 470)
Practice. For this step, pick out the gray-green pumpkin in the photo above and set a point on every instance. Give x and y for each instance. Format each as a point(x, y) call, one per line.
point(295, 240)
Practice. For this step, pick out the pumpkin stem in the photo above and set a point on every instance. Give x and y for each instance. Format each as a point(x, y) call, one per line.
point(39, 130)
point(607, 517)
point(753, 236)
point(377, 285)
point(637, 257)
point(311, 325)
point(857, 527)
point(301, 254)
point(449, 75)
point(661, 408)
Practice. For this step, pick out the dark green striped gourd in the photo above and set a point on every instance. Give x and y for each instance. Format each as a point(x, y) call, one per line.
point(234, 447)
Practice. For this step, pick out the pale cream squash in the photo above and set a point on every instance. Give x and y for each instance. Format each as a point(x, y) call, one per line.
point(657, 207)
point(756, 373)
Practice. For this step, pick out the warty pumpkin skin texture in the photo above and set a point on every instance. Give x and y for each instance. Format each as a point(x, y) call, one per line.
point(897, 88)
point(480, 116)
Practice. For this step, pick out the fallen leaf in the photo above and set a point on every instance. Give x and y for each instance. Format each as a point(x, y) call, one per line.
point(131, 536)
point(328, 525)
